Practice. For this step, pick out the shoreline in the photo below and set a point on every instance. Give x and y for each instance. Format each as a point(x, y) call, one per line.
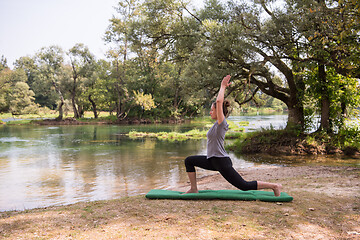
point(277, 142)
point(323, 208)
point(73, 121)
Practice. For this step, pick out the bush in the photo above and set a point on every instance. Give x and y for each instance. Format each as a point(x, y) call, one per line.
point(348, 136)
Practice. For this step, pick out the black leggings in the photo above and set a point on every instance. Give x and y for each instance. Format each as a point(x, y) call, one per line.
point(224, 166)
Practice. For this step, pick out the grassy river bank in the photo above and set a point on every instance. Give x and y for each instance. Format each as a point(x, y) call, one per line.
point(326, 206)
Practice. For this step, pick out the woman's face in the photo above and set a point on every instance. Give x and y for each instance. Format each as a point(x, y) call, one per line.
point(213, 112)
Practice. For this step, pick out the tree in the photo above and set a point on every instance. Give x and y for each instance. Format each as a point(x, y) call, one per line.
point(50, 64)
point(145, 101)
point(16, 95)
point(163, 43)
point(5, 88)
point(44, 94)
point(231, 39)
point(250, 39)
point(5, 73)
point(95, 88)
point(83, 65)
point(102, 88)
point(22, 99)
point(3, 63)
point(330, 38)
point(118, 34)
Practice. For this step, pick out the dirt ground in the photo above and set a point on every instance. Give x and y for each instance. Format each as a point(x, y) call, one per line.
point(326, 205)
point(280, 174)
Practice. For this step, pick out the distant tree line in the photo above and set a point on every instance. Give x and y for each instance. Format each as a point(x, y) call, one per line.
point(166, 60)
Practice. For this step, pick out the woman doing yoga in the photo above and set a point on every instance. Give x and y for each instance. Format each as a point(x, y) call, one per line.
point(217, 159)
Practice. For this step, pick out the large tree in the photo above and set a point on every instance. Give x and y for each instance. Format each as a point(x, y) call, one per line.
point(328, 40)
point(83, 65)
point(251, 39)
point(50, 62)
point(117, 34)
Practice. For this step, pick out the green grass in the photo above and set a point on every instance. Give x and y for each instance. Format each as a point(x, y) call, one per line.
point(19, 122)
point(28, 118)
point(170, 136)
point(51, 114)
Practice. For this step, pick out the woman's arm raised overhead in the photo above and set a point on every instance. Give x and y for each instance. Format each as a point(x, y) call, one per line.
point(220, 99)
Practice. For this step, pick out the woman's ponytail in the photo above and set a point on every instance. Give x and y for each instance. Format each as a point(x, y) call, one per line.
point(226, 108)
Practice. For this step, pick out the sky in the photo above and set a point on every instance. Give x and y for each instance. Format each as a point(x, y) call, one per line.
point(28, 25)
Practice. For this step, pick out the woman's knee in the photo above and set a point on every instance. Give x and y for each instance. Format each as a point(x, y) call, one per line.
point(188, 160)
point(189, 164)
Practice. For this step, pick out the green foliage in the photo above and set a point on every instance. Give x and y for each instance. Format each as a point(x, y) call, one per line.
point(265, 137)
point(3, 63)
point(238, 143)
point(233, 127)
point(21, 99)
point(5, 88)
point(348, 136)
point(342, 92)
point(83, 66)
point(16, 95)
point(37, 81)
point(145, 101)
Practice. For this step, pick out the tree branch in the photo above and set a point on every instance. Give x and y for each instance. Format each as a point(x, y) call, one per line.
point(266, 9)
point(249, 99)
point(191, 13)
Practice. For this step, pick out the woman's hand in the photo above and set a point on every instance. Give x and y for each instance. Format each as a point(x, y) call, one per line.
point(226, 81)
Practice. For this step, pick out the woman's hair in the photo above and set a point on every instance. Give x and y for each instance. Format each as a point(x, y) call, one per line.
point(226, 107)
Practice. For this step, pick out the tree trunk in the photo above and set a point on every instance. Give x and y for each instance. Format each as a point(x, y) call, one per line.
point(325, 101)
point(61, 113)
point(73, 92)
point(62, 101)
point(118, 104)
point(94, 106)
point(76, 112)
point(81, 111)
point(73, 101)
point(295, 117)
point(177, 92)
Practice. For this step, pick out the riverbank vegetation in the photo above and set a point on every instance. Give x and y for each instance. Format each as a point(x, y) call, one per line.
point(166, 61)
point(235, 132)
point(293, 142)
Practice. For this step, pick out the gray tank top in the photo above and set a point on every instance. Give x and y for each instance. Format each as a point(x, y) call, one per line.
point(215, 140)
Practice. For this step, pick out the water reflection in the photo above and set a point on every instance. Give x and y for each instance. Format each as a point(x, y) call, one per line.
point(41, 166)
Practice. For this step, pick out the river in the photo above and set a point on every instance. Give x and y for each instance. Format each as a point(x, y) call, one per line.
point(55, 165)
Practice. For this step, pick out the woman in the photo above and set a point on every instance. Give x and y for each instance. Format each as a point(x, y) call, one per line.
point(217, 159)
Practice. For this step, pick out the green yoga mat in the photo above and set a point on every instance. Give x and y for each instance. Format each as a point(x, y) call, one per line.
point(251, 195)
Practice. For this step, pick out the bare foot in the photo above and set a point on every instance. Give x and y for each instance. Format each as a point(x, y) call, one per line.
point(277, 190)
point(192, 191)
